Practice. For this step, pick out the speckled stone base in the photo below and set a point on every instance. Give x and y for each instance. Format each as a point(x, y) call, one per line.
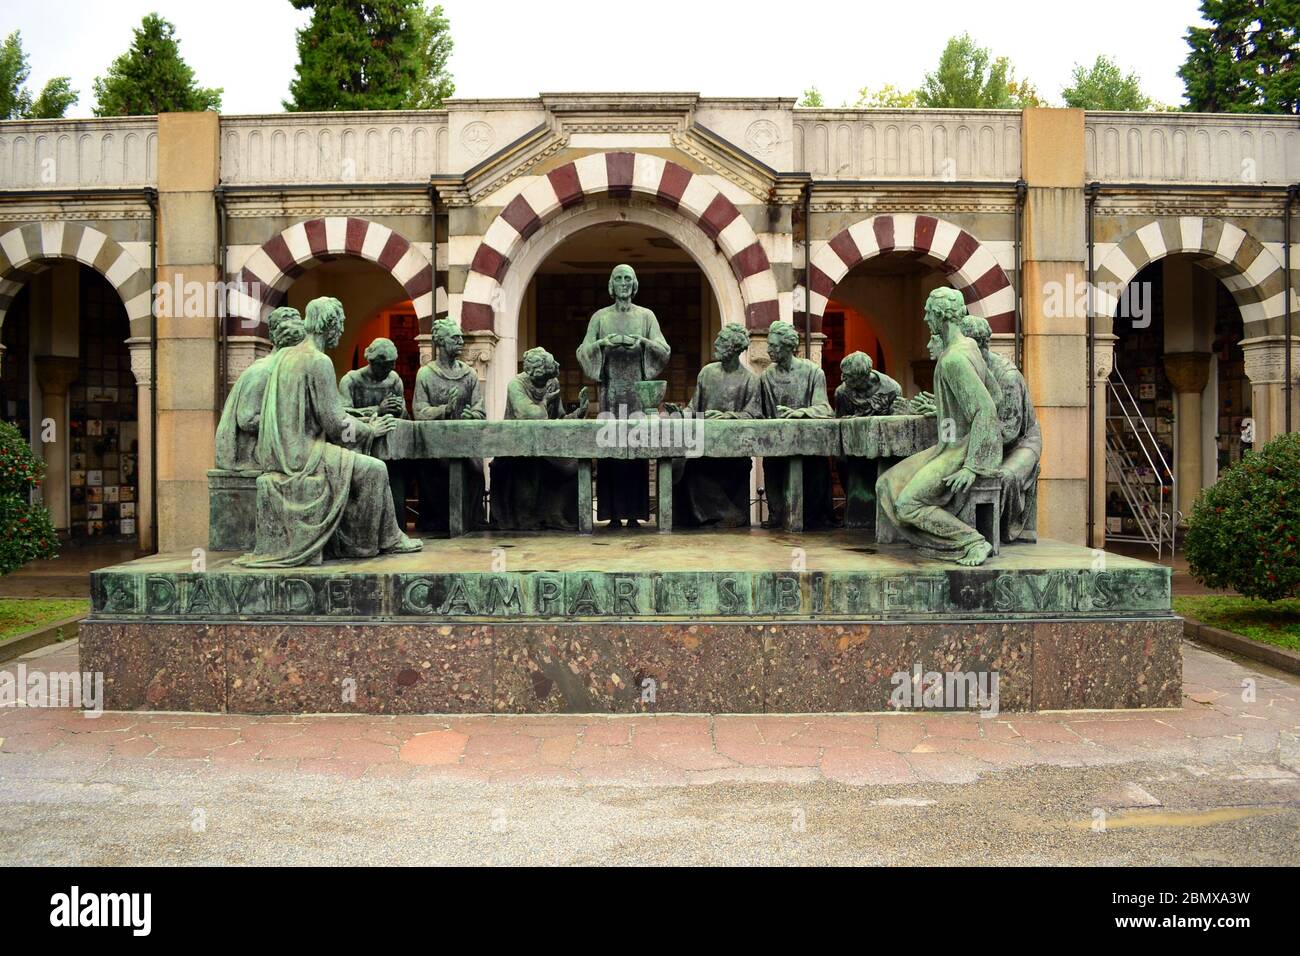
point(589, 667)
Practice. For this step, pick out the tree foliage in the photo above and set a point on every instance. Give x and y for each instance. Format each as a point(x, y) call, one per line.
point(151, 77)
point(969, 77)
point(26, 532)
point(888, 97)
point(1104, 86)
point(16, 101)
point(1246, 60)
point(811, 99)
point(1242, 531)
point(372, 55)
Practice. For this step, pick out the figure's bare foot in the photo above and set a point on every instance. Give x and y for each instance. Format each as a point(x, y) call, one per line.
point(976, 554)
point(406, 546)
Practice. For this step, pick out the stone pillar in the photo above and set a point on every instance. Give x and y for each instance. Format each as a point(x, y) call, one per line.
point(1188, 372)
point(143, 372)
point(1265, 359)
point(187, 346)
point(54, 373)
point(1103, 363)
point(480, 345)
point(1055, 346)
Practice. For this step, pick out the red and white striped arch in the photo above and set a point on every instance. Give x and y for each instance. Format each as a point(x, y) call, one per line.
point(273, 267)
point(969, 266)
point(620, 174)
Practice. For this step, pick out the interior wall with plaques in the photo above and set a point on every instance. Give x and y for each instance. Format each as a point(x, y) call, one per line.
point(103, 464)
point(15, 373)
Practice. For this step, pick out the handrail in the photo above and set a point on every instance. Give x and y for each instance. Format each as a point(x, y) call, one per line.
point(1139, 497)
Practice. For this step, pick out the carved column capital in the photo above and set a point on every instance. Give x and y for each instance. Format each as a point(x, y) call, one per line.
point(141, 366)
point(1188, 371)
point(241, 352)
point(54, 373)
point(480, 344)
point(1103, 355)
point(1265, 359)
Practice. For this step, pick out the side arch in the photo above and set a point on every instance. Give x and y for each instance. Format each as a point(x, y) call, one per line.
point(1251, 273)
point(23, 251)
point(267, 274)
point(969, 266)
point(620, 175)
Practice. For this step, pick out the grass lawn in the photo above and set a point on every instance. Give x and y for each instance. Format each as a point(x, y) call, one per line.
point(1277, 623)
point(19, 615)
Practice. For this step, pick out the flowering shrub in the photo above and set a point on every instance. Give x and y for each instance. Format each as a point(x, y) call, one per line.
point(1242, 532)
point(26, 532)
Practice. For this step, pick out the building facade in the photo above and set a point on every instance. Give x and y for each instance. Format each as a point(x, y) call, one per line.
point(506, 215)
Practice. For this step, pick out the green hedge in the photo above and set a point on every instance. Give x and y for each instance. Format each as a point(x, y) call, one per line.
point(1242, 531)
point(26, 532)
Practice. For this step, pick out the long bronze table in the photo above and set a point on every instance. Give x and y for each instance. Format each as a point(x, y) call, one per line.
point(668, 438)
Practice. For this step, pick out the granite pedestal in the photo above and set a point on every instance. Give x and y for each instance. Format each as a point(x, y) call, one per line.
point(737, 621)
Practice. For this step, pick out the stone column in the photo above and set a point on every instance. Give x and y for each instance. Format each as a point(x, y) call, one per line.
point(480, 344)
point(54, 373)
point(1103, 363)
point(1265, 358)
point(1055, 346)
point(143, 372)
point(187, 345)
point(1188, 372)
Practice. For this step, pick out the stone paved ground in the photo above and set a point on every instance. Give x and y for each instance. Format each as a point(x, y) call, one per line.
point(1217, 780)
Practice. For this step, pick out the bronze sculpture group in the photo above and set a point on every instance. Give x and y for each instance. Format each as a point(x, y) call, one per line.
point(320, 495)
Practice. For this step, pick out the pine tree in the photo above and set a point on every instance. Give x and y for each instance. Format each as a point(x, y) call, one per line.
point(1246, 60)
point(373, 55)
point(152, 78)
point(1103, 86)
point(16, 101)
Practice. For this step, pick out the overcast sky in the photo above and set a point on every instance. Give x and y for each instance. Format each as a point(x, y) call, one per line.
point(770, 49)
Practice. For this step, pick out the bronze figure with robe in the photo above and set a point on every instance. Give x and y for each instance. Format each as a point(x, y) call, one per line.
point(794, 388)
point(864, 392)
point(237, 431)
point(374, 390)
point(623, 346)
point(1022, 439)
point(447, 389)
point(715, 491)
point(536, 494)
point(316, 499)
point(921, 496)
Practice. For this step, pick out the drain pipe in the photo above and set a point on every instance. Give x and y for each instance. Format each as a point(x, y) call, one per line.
point(433, 248)
point(223, 354)
point(1090, 191)
point(807, 270)
point(151, 197)
point(1291, 192)
point(1022, 190)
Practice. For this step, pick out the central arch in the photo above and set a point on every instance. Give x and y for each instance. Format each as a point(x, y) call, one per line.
point(533, 253)
point(620, 175)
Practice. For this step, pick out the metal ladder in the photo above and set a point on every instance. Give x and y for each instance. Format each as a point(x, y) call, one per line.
point(1154, 511)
